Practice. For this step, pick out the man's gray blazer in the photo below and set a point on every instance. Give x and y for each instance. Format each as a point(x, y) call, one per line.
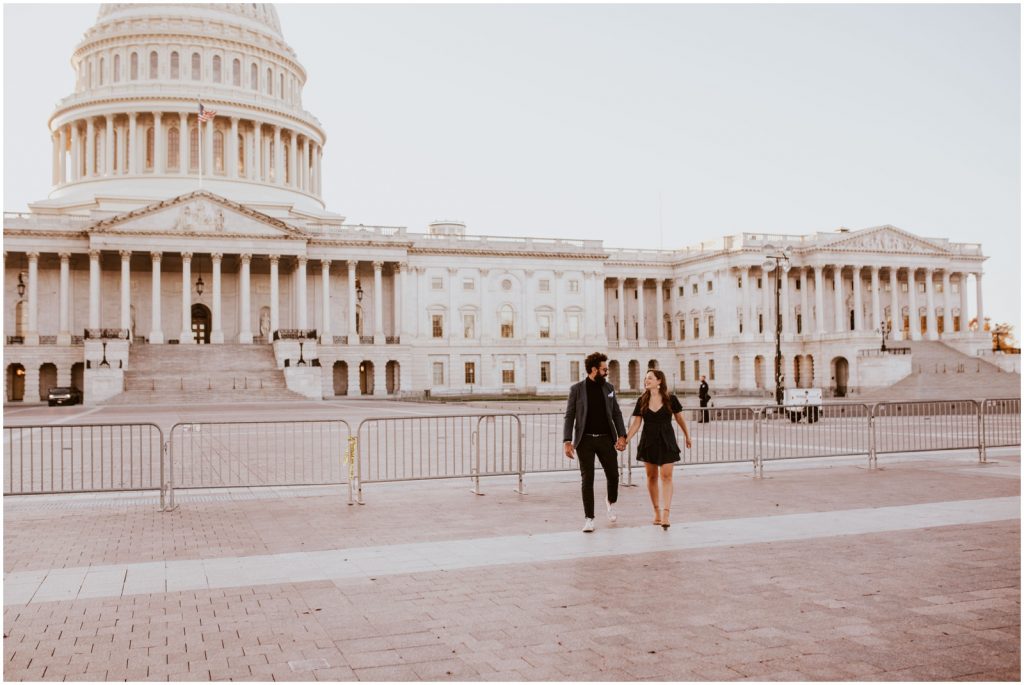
point(576, 412)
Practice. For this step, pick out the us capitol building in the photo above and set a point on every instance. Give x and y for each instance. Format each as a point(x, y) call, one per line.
point(184, 258)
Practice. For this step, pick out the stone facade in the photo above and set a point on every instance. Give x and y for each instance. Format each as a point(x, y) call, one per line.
point(134, 241)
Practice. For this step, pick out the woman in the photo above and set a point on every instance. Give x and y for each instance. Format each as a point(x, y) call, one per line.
point(658, 448)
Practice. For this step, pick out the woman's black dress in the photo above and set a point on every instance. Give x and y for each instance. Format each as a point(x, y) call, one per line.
point(658, 439)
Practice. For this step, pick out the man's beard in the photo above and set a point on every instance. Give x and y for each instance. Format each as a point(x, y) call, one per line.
point(600, 379)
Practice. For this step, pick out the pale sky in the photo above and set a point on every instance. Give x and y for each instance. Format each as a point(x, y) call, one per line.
point(643, 126)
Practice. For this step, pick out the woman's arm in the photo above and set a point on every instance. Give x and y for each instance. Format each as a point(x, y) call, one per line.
point(681, 420)
point(634, 426)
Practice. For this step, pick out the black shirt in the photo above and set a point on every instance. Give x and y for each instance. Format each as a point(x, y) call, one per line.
point(597, 415)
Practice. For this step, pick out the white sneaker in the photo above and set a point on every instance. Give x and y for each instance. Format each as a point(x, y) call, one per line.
point(612, 518)
point(588, 525)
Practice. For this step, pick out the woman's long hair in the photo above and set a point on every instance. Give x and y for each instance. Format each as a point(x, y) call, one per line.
point(645, 399)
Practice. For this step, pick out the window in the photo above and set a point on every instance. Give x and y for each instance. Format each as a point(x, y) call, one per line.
point(506, 284)
point(799, 324)
point(193, 148)
point(682, 370)
point(468, 284)
point(437, 325)
point(544, 285)
point(218, 151)
point(544, 325)
point(117, 68)
point(270, 81)
point(711, 369)
point(696, 369)
point(711, 286)
point(574, 325)
point(696, 328)
point(574, 286)
point(133, 72)
point(216, 68)
point(470, 373)
point(545, 372)
point(954, 288)
point(154, 65)
point(574, 370)
point(694, 288)
point(682, 329)
point(254, 76)
point(197, 66)
point(175, 67)
point(438, 373)
point(682, 291)
point(760, 323)
point(507, 322)
point(436, 283)
point(739, 282)
point(668, 330)
point(938, 287)
point(904, 288)
point(797, 281)
point(173, 143)
point(150, 136)
point(103, 67)
point(236, 72)
point(666, 293)
point(920, 287)
point(469, 325)
point(711, 326)
point(508, 373)
point(280, 88)
point(636, 293)
point(759, 285)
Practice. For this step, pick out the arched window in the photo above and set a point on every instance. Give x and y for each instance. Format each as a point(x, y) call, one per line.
point(280, 90)
point(103, 66)
point(254, 77)
point(117, 68)
point(218, 151)
point(150, 147)
point(508, 317)
point(270, 82)
point(154, 65)
point(175, 68)
point(197, 66)
point(173, 145)
point(216, 68)
point(236, 73)
point(193, 148)
point(241, 155)
point(134, 68)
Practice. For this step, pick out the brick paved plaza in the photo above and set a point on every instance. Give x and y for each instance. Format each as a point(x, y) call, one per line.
point(824, 570)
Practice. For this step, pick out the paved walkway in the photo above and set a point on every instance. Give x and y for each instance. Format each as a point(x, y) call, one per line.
point(823, 570)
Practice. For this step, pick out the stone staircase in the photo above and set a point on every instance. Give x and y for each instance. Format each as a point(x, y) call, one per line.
point(198, 374)
point(939, 371)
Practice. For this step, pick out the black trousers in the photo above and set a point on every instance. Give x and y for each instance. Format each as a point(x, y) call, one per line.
point(705, 415)
point(604, 449)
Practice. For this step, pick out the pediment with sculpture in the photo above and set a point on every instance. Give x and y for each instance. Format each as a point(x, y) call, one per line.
point(887, 239)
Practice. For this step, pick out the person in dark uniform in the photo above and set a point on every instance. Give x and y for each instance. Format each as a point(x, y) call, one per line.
point(594, 427)
point(658, 448)
point(705, 396)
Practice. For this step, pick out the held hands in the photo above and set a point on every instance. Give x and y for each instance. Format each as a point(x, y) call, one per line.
point(620, 444)
point(568, 450)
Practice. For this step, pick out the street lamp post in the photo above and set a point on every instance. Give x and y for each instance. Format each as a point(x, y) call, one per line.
point(885, 329)
point(777, 260)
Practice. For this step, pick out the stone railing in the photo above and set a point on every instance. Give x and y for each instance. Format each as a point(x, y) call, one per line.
point(393, 340)
point(47, 221)
point(357, 231)
point(509, 243)
point(295, 334)
point(340, 339)
point(878, 352)
point(106, 334)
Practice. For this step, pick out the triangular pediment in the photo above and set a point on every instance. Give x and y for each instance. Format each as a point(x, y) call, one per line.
point(886, 239)
point(198, 214)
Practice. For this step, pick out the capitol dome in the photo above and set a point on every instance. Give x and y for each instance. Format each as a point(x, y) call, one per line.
point(131, 131)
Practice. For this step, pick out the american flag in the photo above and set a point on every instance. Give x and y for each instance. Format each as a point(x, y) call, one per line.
point(206, 114)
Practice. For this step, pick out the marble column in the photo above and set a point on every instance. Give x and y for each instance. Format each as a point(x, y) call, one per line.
point(216, 326)
point(353, 333)
point(231, 163)
point(185, 338)
point(749, 325)
point(108, 147)
point(641, 313)
point(819, 300)
point(981, 304)
point(839, 316)
point(766, 306)
point(156, 334)
point(858, 298)
point(449, 330)
point(965, 317)
point(76, 166)
point(805, 307)
point(64, 305)
point(894, 308)
point(300, 292)
point(208, 147)
point(304, 175)
point(275, 313)
point(278, 161)
point(159, 144)
point(55, 160)
point(621, 286)
point(257, 151)
point(929, 294)
point(121, 149)
point(398, 283)
point(90, 147)
point(659, 311)
point(876, 299)
point(126, 290)
point(32, 334)
point(947, 305)
point(787, 314)
point(62, 160)
point(915, 316)
point(245, 315)
point(325, 317)
point(133, 143)
point(183, 146)
point(94, 288)
point(293, 162)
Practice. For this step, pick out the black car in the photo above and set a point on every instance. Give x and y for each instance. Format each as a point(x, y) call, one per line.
point(64, 396)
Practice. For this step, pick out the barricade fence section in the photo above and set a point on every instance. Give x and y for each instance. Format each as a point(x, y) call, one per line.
point(1001, 422)
point(832, 430)
point(259, 453)
point(719, 435)
point(926, 426)
point(83, 458)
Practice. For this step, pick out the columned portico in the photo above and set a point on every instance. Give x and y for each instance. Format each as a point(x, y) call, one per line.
point(659, 308)
point(641, 317)
point(787, 324)
point(965, 317)
point(300, 287)
point(947, 305)
point(981, 305)
point(620, 284)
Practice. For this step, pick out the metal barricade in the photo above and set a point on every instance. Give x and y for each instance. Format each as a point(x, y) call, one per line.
point(544, 449)
point(831, 430)
point(729, 435)
point(83, 458)
point(928, 426)
point(258, 453)
point(431, 447)
point(1000, 424)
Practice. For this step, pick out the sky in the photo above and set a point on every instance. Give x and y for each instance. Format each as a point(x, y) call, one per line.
point(644, 126)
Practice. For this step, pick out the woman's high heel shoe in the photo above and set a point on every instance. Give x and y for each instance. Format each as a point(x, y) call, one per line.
point(657, 519)
point(664, 519)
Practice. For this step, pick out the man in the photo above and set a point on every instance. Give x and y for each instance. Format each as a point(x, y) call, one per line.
point(705, 396)
point(594, 427)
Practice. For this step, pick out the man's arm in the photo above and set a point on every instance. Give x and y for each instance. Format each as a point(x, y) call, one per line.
point(620, 427)
point(570, 416)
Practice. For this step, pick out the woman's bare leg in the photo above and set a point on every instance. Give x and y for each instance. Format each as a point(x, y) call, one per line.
point(652, 490)
point(665, 473)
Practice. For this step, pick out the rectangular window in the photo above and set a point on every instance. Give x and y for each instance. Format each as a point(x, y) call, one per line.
point(740, 321)
point(694, 288)
point(574, 325)
point(799, 324)
point(468, 284)
point(682, 370)
point(469, 325)
point(954, 288)
point(436, 283)
point(904, 288)
point(545, 372)
point(760, 323)
point(682, 291)
point(696, 369)
point(739, 282)
point(666, 293)
point(470, 373)
point(438, 373)
point(437, 324)
point(574, 370)
point(759, 286)
point(920, 287)
point(508, 373)
point(544, 325)
point(711, 286)
point(682, 329)
point(711, 326)
point(797, 281)
point(887, 287)
point(544, 285)
point(668, 331)
point(711, 369)
point(574, 286)
point(696, 328)
point(938, 287)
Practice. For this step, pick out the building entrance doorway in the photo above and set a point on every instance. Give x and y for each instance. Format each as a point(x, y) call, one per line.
point(15, 383)
point(842, 375)
point(366, 378)
point(201, 324)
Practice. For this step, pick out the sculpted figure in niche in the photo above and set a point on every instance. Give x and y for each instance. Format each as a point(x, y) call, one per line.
point(265, 322)
point(218, 220)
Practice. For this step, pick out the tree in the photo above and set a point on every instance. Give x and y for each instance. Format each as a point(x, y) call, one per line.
point(1002, 337)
